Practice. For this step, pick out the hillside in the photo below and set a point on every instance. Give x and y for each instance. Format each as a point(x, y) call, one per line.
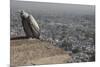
point(31, 52)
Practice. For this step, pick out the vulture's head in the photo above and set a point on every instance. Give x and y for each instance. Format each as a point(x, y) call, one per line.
point(23, 14)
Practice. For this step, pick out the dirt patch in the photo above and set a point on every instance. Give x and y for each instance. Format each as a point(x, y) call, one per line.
point(57, 59)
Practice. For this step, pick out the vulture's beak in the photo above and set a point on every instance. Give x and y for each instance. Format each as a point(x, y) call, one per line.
point(17, 13)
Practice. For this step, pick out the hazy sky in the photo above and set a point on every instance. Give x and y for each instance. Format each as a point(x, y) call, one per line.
point(51, 8)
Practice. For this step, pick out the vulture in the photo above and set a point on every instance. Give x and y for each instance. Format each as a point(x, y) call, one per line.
point(30, 26)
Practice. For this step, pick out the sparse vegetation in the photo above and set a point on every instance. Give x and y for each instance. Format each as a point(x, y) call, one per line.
point(33, 52)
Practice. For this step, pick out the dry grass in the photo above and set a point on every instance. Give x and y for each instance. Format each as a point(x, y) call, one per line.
point(29, 52)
